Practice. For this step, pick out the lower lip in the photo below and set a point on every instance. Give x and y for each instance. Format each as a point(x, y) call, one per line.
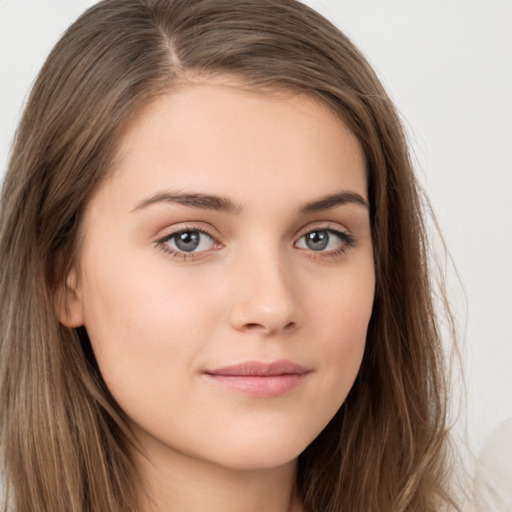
point(260, 386)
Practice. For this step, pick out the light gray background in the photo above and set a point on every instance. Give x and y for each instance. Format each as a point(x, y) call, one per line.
point(447, 64)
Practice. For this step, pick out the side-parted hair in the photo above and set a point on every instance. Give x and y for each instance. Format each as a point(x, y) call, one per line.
point(65, 444)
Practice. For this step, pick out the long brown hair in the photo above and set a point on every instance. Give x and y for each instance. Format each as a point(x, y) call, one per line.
point(63, 438)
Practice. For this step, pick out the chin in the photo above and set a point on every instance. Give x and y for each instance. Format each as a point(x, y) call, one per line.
point(271, 451)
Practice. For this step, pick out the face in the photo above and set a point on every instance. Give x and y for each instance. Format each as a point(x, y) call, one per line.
point(226, 277)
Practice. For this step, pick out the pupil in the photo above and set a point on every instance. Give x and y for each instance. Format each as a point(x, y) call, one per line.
point(317, 240)
point(187, 241)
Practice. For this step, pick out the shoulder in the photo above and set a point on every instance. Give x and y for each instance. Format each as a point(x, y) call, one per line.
point(493, 472)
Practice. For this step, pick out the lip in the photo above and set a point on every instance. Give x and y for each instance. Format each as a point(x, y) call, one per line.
point(260, 379)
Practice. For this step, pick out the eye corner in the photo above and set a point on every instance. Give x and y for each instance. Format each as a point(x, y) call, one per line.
point(325, 241)
point(195, 243)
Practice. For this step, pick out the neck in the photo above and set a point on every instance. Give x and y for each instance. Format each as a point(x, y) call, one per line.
point(178, 483)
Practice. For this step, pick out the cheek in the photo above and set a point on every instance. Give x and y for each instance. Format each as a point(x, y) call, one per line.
point(146, 328)
point(342, 316)
point(343, 305)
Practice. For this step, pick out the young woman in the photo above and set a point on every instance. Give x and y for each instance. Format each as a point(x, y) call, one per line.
point(215, 292)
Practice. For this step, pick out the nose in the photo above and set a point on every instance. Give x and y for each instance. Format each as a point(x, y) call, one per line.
point(266, 299)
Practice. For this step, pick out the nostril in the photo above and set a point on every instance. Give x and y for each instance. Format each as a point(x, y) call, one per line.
point(254, 326)
point(290, 326)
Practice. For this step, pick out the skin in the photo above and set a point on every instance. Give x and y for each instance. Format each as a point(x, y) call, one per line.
point(253, 290)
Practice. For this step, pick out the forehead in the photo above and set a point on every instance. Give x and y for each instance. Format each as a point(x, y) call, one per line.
point(225, 139)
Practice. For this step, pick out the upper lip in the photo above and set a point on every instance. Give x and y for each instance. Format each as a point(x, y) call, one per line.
point(260, 369)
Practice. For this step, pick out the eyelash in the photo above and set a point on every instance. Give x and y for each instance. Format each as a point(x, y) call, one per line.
point(347, 242)
point(182, 255)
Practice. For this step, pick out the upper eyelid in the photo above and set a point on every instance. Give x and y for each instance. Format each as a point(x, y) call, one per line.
point(342, 234)
point(209, 230)
point(170, 231)
point(322, 225)
point(162, 243)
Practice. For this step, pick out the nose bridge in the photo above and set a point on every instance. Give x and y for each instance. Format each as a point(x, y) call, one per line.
point(265, 296)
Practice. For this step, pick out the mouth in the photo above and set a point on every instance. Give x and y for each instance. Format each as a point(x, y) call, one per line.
point(259, 379)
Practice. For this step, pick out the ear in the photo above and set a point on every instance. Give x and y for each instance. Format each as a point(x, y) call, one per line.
point(68, 302)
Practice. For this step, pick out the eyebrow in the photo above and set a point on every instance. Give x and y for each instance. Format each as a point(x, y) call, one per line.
point(193, 200)
point(332, 201)
point(224, 204)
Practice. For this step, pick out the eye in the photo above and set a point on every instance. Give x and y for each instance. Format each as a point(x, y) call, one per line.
point(324, 240)
point(188, 241)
